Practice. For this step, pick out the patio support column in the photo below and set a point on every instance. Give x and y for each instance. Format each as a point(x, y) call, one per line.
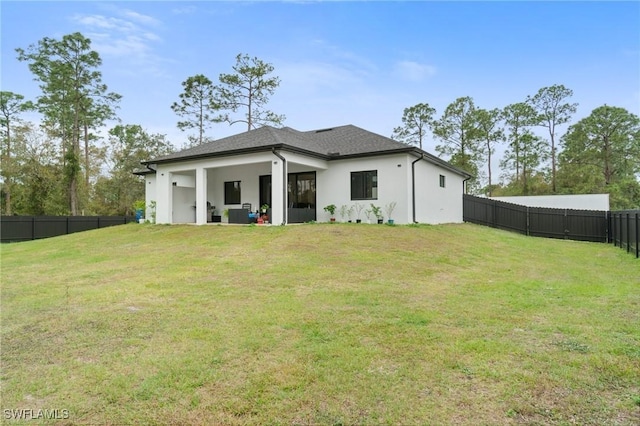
point(201, 196)
point(278, 186)
point(164, 197)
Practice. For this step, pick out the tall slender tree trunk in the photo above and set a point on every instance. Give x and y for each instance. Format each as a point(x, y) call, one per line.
point(86, 155)
point(608, 173)
point(201, 124)
point(517, 150)
point(553, 165)
point(489, 164)
point(75, 141)
point(7, 166)
point(552, 132)
point(249, 124)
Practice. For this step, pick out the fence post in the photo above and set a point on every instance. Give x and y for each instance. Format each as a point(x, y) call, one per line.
point(637, 236)
point(494, 220)
point(628, 233)
point(33, 227)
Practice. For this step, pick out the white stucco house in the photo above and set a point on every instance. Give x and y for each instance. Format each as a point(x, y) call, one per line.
point(298, 173)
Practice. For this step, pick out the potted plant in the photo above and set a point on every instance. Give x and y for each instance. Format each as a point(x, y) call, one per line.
point(225, 213)
point(138, 208)
point(264, 216)
point(377, 212)
point(389, 208)
point(367, 213)
point(358, 208)
point(343, 211)
point(331, 209)
point(350, 213)
point(152, 207)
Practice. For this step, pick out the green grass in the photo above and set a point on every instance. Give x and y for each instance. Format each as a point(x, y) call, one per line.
point(320, 324)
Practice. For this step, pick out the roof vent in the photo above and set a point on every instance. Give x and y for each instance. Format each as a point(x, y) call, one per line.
point(323, 130)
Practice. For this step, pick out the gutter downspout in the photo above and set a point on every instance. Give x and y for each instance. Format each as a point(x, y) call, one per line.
point(464, 187)
point(464, 192)
point(413, 185)
point(284, 185)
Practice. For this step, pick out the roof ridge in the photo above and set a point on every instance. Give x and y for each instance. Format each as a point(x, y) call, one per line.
point(272, 130)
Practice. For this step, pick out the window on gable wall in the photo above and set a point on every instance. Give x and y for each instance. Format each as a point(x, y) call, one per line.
point(364, 185)
point(442, 181)
point(232, 192)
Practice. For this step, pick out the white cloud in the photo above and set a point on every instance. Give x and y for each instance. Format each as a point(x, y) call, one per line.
point(140, 18)
point(125, 34)
point(413, 71)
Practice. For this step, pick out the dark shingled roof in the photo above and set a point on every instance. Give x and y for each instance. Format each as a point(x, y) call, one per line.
point(332, 143)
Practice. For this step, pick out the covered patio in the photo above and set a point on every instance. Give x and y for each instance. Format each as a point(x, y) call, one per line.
point(202, 191)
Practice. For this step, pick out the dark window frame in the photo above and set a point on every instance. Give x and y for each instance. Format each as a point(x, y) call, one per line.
point(293, 181)
point(366, 182)
point(228, 195)
point(443, 181)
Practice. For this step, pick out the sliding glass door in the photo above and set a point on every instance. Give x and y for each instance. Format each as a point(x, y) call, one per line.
point(301, 196)
point(265, 190)
point(302, 190)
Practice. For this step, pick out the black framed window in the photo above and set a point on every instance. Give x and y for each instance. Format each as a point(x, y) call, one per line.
point(232, 192)
point(302, 190)
point(442, 181)
point(364, 185)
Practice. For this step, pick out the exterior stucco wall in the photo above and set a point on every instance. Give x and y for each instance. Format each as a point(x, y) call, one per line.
point(149, 194)
point(435, 204)
point(334, 185)
point(184, 200)
point(249, 185)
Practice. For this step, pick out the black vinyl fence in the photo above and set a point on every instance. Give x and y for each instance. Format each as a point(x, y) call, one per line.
point(23, 228)
point(625, 230)
point(620, 228)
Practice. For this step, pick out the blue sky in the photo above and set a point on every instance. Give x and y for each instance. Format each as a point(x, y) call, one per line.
point(341, 63)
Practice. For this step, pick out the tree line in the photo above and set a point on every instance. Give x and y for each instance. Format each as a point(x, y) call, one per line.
point(598, 154)
point(64, 165)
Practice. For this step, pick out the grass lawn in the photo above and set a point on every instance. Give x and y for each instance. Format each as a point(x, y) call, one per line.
point(320, 324)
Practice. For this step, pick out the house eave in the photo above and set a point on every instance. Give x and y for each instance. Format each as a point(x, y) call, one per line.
point(148, 171)
point(368, 154)
point(327, 157)
point(264, 148)
point(439, 162)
